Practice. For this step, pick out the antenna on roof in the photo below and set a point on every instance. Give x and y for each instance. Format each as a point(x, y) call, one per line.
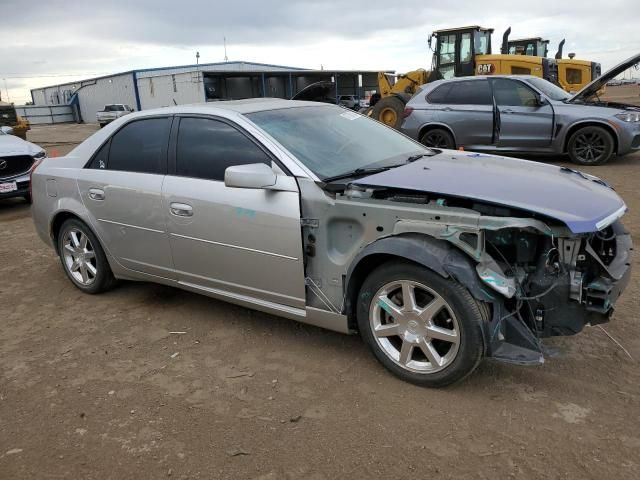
point(226, 59)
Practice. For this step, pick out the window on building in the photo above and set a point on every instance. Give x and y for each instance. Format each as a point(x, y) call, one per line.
point(140, 146)
point(207, 147)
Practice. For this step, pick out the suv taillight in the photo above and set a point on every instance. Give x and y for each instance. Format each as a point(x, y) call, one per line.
point(407, 111)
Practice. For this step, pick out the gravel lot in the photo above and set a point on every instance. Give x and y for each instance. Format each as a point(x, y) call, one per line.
point(98, 387)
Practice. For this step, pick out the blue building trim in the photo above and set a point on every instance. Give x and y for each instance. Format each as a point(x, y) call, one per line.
point(135, 90)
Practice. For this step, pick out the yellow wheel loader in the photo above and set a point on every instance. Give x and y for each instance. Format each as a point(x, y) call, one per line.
point(573, 74)
point(458, 52)
point(10, 118)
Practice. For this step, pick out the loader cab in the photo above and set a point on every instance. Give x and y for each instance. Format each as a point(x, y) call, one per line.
point(455, 50)
point(535, 47)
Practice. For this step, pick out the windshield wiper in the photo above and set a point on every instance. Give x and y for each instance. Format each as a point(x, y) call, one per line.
point(359, 171)
point(418, 156)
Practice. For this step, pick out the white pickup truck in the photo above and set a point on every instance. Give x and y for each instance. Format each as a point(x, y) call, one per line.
point(111, 112)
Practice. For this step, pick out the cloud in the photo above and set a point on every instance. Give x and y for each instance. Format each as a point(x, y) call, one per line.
point(86, 37)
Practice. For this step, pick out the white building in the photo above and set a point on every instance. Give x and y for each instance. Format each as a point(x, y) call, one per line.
point(159, 87)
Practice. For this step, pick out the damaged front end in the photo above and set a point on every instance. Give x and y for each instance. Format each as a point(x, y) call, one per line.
point(535, 276)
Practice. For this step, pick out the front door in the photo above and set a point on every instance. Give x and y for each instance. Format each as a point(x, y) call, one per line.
point(242, 243)
point(523, 122)
point(122, 188)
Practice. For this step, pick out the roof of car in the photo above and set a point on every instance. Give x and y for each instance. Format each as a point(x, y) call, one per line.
point(248, 105)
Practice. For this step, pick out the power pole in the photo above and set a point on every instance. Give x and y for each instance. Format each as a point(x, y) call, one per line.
point(226, 59)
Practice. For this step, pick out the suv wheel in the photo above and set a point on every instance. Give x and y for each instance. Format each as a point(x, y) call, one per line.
point(590, 146)
point(438, 138)
point(423, 328)
point(83, 259)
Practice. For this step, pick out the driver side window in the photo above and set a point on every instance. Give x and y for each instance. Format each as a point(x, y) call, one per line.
point(513, 93)
point(206, 147)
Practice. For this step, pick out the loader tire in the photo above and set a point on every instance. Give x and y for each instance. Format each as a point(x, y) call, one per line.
point(389, 111)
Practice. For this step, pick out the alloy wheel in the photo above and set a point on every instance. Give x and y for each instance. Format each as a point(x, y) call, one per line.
point(414, 326)
point(79, 256)
point(436, 140)
point(589, 147)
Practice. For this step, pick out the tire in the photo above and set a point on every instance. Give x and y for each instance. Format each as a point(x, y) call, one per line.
point(102, 125)
point(438, 138)
point(76, 256)
point(590, 146)
point(389, 110)
point(413, 355)
point(27, 198)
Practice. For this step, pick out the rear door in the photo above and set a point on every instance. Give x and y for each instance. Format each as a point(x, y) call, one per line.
point(243, 243)
point(121, 188)
point(467, 108)
point(524, 124)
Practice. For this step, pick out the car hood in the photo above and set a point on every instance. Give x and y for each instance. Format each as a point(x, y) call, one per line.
point(12, 145)
point(582, 202)
point(591, 88)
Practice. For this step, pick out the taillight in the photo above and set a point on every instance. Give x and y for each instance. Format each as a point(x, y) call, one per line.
point(407, 111)
point(33, 169)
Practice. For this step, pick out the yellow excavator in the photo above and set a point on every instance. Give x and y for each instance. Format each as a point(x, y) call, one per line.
point(458, 52)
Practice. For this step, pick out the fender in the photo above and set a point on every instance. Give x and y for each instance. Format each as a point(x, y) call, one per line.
point(437, 125)
point(437, 255)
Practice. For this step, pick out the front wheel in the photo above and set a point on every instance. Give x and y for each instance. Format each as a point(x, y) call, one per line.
point(389, 110)
point(423, 328)
point(590, 146)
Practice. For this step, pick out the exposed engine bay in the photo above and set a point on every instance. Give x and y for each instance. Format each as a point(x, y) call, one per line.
point(536, 278)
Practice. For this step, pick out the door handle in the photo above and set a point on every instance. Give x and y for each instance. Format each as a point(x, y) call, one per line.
point(507, 110)
point(446, 109)
point(96, 194)
point(181, 209)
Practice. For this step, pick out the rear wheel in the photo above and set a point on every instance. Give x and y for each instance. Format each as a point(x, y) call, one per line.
point(590, 146)
point(423, 328)
point(438, 138)
point(83, 259)
point(389, 110)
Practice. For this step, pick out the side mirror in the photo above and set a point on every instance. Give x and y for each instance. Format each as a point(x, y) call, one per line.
point(7, 130)
point(541, 100)
point(253, 175)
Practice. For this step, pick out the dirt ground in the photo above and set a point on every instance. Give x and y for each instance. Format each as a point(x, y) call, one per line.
point(98, 387)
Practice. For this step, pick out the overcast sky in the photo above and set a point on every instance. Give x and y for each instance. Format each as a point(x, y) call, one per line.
point(45, 42)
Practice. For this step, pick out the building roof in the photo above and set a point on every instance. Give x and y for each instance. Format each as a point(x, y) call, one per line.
point(222, 67)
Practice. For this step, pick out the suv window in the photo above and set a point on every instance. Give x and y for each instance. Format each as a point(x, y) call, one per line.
point(207, 147)
point(513, 93)
point(140, 146)
point(472, 92)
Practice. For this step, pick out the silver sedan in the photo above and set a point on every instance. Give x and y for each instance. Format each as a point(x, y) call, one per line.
point(316, 213)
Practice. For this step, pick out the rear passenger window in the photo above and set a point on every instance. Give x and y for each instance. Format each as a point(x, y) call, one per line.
point(439, 95)
point(207, 147)
point(475, 92)
point(101, 157)
point(140, 146)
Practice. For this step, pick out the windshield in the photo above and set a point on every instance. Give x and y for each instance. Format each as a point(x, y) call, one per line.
point(549, 89)
point(331, 141)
